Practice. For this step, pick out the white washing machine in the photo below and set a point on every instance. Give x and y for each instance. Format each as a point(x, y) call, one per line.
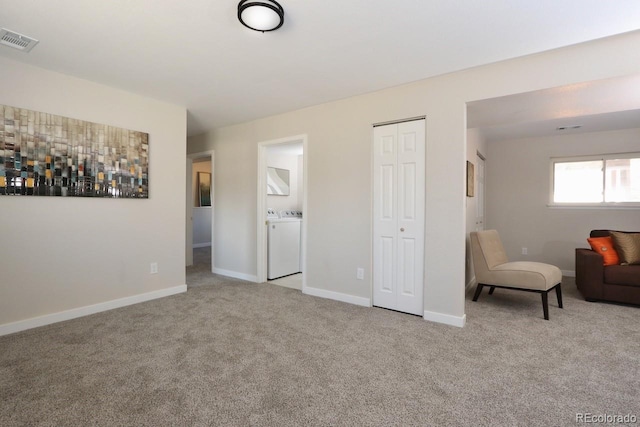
point(283, 251)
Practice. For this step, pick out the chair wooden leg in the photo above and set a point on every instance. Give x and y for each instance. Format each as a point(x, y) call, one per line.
point(559, 295)
point(478, 290)
point(493, 288)
point(545, 305)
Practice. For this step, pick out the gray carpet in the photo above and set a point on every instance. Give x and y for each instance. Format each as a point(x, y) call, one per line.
point(229, 352)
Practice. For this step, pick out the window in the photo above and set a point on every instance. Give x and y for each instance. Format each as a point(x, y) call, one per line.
point(607, 180)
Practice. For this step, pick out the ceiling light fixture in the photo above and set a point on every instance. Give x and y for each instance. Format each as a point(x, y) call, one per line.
point(264, 15)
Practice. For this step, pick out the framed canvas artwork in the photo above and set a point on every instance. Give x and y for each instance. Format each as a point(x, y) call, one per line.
point(43, 154)
point(470, 179)
point(204, 188)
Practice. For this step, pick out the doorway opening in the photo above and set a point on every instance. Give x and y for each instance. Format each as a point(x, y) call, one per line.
point(200, 230)
point(282, 211)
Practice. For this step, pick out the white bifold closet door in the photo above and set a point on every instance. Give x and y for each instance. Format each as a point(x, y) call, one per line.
point(398, 216)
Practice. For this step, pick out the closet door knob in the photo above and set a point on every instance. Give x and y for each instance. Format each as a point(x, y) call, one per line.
point(402, 229)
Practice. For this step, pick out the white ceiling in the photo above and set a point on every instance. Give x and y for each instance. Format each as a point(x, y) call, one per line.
point(195, 53)
point(596, 106)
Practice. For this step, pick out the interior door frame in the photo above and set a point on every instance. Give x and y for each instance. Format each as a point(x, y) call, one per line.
point(189, 219)
point(261, 213)
point(481, 194)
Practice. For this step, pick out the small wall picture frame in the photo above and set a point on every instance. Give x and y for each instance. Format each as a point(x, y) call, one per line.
point(470, 179)
point(277, 182)
point(204, 188)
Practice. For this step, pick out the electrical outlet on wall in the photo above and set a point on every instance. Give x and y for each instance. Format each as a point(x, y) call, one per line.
point(360, 273)
point(154, 268)
point(524, 251)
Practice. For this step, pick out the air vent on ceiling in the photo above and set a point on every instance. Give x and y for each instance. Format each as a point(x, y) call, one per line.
point(573, 127)
point(16, 40)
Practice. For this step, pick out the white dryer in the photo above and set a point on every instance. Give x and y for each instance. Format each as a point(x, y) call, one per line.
point(283, 254)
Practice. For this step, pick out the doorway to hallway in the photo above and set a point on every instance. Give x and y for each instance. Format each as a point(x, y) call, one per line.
point(200, 210)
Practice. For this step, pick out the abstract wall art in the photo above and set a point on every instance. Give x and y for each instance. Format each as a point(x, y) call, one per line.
point(204, 188)
point(47, 155)
point(277, 181)
point(470, 179)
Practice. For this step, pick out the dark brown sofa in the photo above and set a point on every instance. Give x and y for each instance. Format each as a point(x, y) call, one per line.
point(597, 282)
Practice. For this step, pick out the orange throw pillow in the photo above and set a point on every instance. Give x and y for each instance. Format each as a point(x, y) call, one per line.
point(604, 246)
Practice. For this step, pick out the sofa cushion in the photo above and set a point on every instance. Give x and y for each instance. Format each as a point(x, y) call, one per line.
point(628, 247)
point(604, 246)
point(600, 233)
point(622, 275)
point(605, 233)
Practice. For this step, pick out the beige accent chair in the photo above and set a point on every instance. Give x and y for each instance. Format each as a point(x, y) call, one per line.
point(493, 269)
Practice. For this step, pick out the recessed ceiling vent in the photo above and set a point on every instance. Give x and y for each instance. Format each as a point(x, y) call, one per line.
point(574, 127)
point(16, 40)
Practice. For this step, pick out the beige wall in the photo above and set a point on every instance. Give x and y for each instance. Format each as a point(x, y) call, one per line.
point(518, 193)
point(62, 254)
point(339, 168)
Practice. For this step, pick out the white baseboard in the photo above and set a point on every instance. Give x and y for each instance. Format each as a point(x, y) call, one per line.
point(236, 275)
point(470, 284)
point(568, 273)
point(337, 296)
point(201, 245)
point(48, 319)
point(447, 319)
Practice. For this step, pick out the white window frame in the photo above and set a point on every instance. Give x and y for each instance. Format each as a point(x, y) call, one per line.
point(603, 158)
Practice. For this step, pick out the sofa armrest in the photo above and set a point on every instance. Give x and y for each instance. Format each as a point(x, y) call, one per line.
point(589, 273)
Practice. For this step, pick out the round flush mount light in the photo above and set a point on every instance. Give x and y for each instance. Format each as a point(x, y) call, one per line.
point(264, 15)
